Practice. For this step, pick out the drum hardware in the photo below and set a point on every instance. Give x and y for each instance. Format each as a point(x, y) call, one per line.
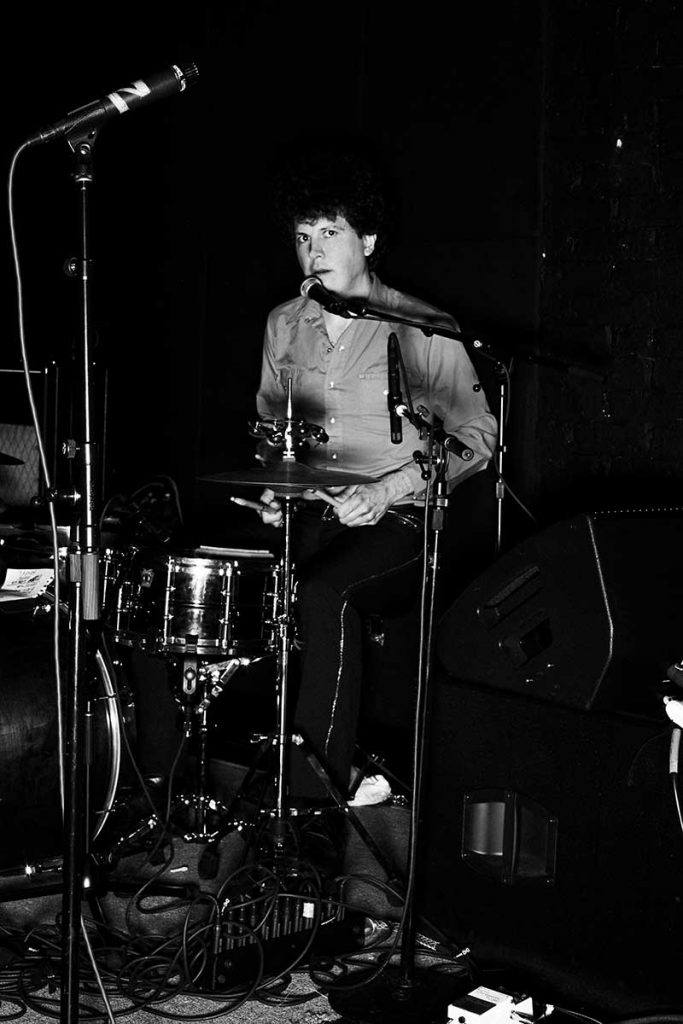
point(143, 835)
point(288, 481)
point(196, 814)
point(188, 608)
point(284, 475)
point(219, 674)
point(200, 684)
point(288, 436)
point(279, 433)
point(286, 478)
point(150, 516)
point(172, 604)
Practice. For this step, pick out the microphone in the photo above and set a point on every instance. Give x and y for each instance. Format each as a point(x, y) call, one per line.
point(313, 288)
point(394, 397)
point(155, 87)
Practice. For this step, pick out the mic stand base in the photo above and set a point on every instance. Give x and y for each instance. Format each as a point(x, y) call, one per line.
point(386, 999)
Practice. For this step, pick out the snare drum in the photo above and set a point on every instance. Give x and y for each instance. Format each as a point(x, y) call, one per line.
point(184, 604)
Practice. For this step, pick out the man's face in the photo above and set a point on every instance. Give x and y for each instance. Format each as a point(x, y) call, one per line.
point(334, 252)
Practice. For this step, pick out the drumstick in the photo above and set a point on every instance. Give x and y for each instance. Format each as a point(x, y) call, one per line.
point(259, 506)
point(329, 498)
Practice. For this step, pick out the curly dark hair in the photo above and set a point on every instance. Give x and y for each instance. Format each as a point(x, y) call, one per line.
point(326, 179)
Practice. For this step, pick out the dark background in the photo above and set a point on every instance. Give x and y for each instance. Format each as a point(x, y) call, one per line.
point(535, 150)
point(517, 213)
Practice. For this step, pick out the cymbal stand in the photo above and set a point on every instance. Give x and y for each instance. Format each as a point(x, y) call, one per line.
point(284, 626)
point(282, 738)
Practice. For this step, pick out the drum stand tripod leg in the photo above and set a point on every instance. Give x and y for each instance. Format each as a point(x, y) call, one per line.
point(395, 878)
point(264, 748)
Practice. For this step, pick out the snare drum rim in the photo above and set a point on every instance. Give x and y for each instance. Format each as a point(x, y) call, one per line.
point(145, 559)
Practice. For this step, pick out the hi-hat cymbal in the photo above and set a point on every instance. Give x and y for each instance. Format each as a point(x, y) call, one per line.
point(286, 478)
point(9, 460)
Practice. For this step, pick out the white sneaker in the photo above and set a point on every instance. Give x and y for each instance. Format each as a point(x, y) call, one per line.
point(373, 789)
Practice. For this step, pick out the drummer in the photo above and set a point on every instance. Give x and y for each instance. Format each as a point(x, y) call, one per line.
point(360, 551)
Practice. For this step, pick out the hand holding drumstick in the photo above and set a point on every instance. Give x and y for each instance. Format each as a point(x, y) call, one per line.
point(270, 510)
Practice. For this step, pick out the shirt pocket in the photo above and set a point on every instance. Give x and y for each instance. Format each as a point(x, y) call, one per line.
point(373, 388)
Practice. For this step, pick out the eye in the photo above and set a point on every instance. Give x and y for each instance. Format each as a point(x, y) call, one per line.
point(330, 232)
point(302, 238)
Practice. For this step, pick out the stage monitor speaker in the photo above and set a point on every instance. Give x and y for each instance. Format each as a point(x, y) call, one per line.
point(587, 613)
point(551, 846)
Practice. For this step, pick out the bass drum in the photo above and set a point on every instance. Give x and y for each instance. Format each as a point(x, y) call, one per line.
point(30, 805)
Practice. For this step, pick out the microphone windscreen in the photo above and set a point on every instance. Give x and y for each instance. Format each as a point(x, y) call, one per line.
point(308, 283)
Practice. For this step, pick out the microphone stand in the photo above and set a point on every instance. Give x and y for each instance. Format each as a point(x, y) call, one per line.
point(357, 309)
point(398, 996)
point(84, 612)
point(436, 457)
point(502, 376)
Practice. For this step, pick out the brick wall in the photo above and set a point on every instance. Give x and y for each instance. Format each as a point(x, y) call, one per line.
point(611, 281)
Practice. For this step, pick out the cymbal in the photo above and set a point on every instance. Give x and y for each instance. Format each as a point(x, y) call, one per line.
point(9, 460)
point(286, 478)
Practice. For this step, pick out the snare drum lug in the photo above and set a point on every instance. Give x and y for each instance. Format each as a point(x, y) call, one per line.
point(70, 448)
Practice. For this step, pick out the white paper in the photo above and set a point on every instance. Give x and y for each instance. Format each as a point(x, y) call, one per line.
point(26, 583)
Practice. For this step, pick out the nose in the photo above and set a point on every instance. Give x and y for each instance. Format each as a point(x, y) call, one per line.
point(316, 248)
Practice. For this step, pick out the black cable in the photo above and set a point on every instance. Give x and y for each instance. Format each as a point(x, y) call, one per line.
point(651, 1018)
point(154, 971)
point(13, 1001)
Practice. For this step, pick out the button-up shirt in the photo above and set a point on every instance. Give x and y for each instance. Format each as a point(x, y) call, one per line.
point(343, 387)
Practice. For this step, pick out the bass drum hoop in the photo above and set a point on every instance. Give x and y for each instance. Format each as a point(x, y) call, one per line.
point(114, 727)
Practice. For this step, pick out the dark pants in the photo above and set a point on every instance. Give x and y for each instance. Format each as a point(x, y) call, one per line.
point(342, 574)
point(345, 574)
